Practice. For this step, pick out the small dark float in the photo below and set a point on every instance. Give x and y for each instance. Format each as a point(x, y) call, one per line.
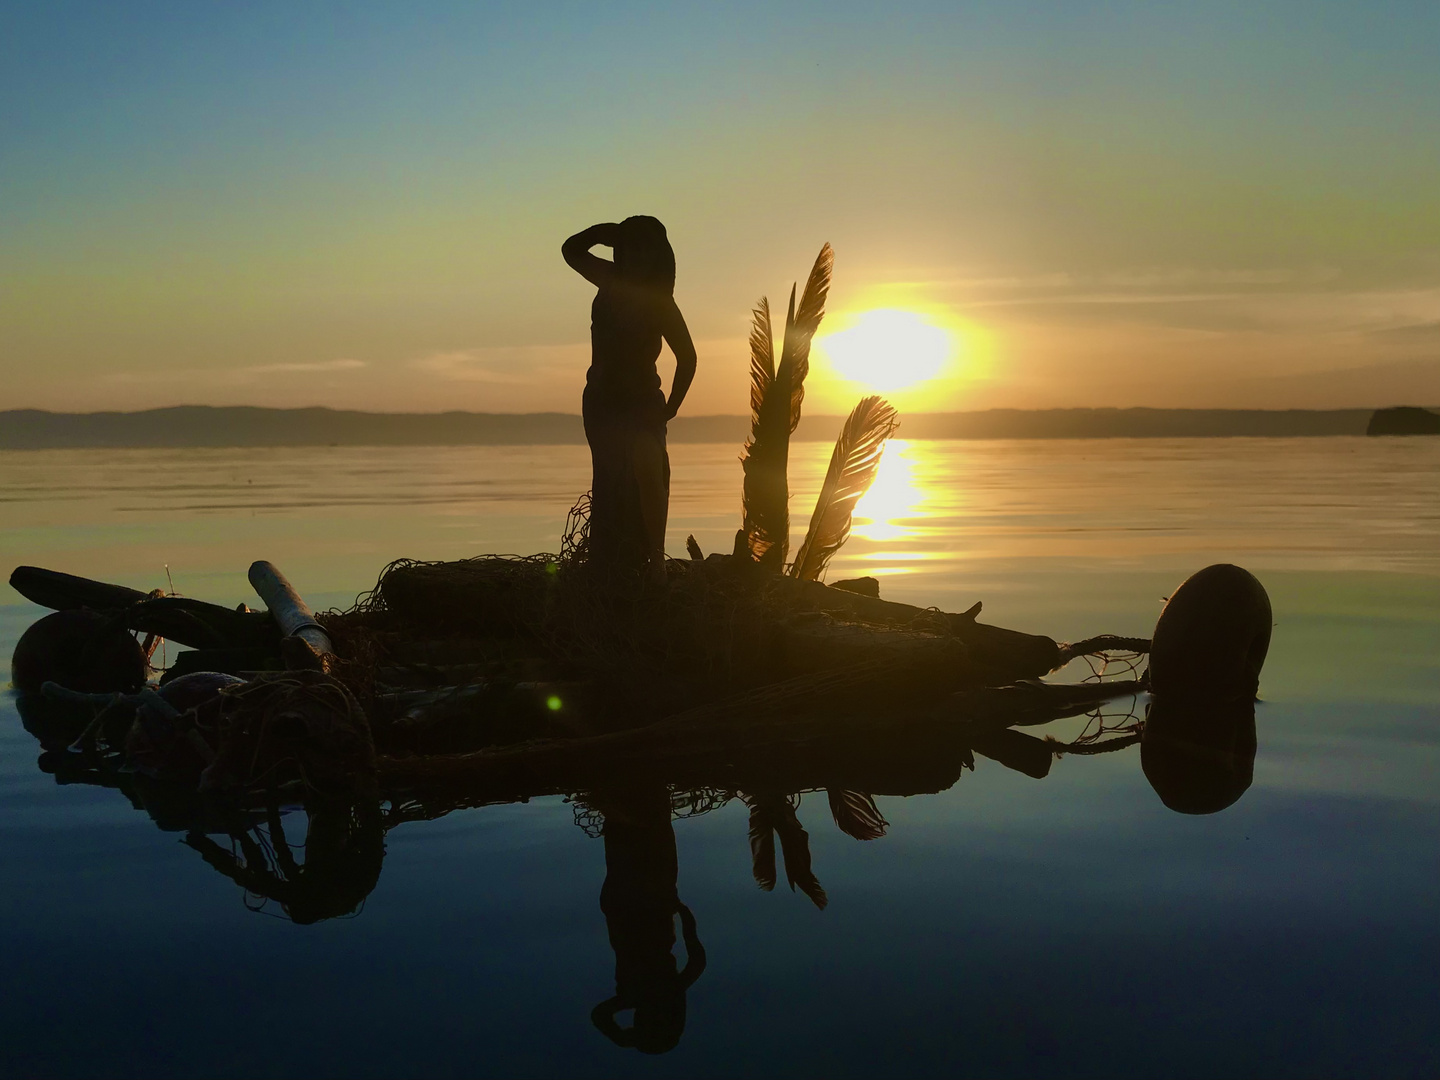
point(82, 650)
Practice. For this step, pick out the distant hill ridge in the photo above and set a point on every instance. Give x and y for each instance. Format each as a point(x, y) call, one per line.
point(229, 426)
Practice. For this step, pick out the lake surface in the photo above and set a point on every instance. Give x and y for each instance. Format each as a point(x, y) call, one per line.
point(1007, 926)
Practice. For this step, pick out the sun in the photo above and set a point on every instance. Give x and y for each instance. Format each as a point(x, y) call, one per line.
point(888, 349)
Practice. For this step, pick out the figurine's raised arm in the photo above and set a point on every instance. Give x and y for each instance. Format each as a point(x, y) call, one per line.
point(592, 268)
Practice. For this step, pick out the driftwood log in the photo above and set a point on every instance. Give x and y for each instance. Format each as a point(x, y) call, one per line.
point(716, 627)
point(813, 731)
point(177, 618)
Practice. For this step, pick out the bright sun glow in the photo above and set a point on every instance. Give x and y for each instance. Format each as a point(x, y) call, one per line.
point(888, 349)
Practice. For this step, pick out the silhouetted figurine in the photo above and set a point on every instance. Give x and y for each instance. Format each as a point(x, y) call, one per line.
point(625, 409)
point(640, 902)
point(1199, 757)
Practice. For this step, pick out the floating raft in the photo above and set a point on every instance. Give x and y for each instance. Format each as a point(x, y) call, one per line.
point(530, 676)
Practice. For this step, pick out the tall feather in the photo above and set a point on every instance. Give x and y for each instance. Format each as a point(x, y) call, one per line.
point(776, 393)
point(800, 327)
point(762, 360)
point(856, 814)
point(853, 463)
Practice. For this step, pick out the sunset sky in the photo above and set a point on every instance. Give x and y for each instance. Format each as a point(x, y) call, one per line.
point(361, 205)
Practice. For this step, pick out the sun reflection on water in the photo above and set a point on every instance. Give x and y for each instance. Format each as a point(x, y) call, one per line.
point(889, 509)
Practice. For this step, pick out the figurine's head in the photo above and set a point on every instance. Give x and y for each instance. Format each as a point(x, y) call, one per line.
point(643, 255)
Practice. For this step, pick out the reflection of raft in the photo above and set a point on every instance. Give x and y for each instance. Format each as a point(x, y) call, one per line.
point(497, 680)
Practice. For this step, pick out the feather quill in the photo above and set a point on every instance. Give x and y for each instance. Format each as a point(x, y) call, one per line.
point(856, 814)
point(853, 463)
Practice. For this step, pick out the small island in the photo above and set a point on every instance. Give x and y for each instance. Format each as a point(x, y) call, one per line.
point(1404, 420)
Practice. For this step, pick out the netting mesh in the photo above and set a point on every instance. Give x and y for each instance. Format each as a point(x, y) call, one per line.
point(575, 542)
point(694, 636)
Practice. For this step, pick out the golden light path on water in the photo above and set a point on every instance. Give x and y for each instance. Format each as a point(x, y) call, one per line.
point(891, 509)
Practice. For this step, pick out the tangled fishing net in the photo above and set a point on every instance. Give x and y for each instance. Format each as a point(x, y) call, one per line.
point(292, 726)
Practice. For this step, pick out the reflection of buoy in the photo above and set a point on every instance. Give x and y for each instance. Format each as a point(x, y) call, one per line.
point(81, 650)
point(1210, 641)
point(1199, 758)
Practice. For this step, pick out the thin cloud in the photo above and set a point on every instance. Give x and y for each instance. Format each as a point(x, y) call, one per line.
point(507, 365)
point(305, 367)
point(234, 376)
point(1423, 333)
point(1185, 278)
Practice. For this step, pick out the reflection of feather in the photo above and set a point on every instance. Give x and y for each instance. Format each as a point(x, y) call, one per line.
point(852, 471)
point(857, 815)
point(770, 816)
point(795, 846)
point(776, 393)
point(762, 845)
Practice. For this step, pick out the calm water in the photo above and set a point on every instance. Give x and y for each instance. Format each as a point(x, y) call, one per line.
point(1071, 926)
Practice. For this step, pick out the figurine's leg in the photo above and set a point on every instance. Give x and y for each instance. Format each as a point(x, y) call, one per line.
point(609, 473)
point(652, 477)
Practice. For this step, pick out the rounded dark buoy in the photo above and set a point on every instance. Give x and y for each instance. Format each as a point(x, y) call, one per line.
point(186, 692)
point(81, 650)
point(1199, 758)
point(1210, 641)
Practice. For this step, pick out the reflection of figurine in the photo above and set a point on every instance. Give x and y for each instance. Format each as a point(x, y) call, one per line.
point(625, 410)
point(1199, 757)
point(640, 903)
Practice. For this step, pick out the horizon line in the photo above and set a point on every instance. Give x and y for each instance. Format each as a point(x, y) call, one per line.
point(706, 416)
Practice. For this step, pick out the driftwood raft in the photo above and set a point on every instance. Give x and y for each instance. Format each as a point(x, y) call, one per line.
point(528, 674)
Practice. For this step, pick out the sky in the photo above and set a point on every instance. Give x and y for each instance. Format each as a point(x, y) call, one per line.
point(1084, 204)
